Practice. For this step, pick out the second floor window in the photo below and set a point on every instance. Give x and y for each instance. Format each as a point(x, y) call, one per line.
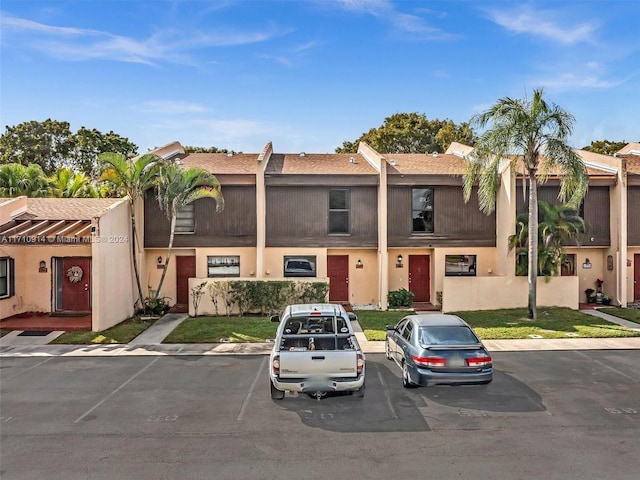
point(339, 207)
point(185, 220)
point(422, 210)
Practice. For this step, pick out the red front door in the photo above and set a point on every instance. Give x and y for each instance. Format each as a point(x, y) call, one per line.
point(186, 269)
point(76, 284)
point(338, 273)
point(636, 277)
point(419, 281)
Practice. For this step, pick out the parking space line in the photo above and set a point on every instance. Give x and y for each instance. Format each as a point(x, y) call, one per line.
point(607, 366)
point(27, 369)
point(84, 415)
point(253, 386)
point(386, 394)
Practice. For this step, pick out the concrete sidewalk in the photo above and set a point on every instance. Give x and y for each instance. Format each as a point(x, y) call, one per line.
point(150, 343)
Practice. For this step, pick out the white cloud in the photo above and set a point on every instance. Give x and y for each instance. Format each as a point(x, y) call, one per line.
point(169, 107)
point(526, 20)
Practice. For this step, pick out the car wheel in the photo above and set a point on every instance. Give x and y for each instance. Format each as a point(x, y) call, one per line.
point(406, 379)
point(387, 350)
point(275, 393)
point(359, 392)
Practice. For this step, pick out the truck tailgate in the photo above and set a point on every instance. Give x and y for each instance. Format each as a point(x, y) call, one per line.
point(319, 363)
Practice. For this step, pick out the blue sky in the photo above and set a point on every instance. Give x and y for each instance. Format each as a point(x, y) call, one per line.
point(310, 74)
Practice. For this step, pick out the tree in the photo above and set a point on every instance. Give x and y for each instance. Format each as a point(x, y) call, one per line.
point(605, 147)
point(178, 188)
point(205, 150)
point(52, 145)
point(46, 144)
point(412, 133)
point(17, 180)
point(559, 225)
point(68, 184)
point(131, 178)
point(530, 134)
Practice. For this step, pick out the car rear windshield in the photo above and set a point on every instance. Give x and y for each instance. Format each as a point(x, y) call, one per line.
point(447, 336)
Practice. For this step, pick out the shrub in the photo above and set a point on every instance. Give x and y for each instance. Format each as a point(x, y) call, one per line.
point(400, 298)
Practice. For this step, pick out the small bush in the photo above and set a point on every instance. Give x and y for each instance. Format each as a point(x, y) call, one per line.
point(400, 298)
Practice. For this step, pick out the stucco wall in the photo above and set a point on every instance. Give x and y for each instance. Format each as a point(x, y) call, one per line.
point(33, 289)
point(113, 280)
point(490, 293)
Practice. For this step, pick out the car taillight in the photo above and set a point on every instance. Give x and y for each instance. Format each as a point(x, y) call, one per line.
point(429, 361)
point(483, 361)
point(275, 365)
point(360, 363)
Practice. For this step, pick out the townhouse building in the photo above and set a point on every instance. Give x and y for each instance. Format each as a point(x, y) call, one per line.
point(371, 223)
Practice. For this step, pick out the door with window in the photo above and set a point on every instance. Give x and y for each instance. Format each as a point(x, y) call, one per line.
point(73, 284)
point(419, 278)
point(338, 273)
point(185, 269)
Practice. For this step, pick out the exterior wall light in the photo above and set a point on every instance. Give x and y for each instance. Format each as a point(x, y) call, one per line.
point(400, 259)
point(42, 267)
point(159, 260)
point(359, 264)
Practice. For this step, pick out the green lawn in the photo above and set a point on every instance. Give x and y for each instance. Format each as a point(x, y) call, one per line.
point(511, 324)
point(124, 332)
point(248, 329)
point(631, 314)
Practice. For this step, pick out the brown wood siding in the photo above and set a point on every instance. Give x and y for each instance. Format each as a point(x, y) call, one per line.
point(633, 216)
point(298, 217)
point(596, 212)
point(455, 223)
point(235, 226)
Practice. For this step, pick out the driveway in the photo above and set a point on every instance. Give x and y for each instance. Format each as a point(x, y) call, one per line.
point(569, 415)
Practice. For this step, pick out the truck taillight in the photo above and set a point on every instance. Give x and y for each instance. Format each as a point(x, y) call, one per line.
point(483, 361)
point(360, 363)
point(429, 361)
point(275, 365)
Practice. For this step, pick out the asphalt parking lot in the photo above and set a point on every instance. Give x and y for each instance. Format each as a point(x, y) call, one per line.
point(562, 415)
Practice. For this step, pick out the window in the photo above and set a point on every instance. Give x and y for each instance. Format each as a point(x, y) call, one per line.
point(422, 209)
point(459, 265)
point(407, 331)
point(300, 266)
point(568, 265)
point(339, 205)
point(185, 219)
point(227, 266)
point(6, 277)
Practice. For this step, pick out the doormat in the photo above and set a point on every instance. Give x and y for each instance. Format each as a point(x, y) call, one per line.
point(34, 333)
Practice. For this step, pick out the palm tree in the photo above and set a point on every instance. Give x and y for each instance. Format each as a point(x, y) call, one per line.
point(178, 188)
point(531, 134)
point(17, 180)
point(558, 226)
point(131, 178)
point(67, 184)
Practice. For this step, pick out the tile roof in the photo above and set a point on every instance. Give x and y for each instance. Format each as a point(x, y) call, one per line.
point(319, 164)
point(630, 148)
point(221, 163)
point(425, 164)
point(68, 208)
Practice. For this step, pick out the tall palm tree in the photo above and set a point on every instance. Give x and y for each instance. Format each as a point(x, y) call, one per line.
point(17, 180)
point(131, 179)
point(531, 134)
point(68, 184)
point(178, 188)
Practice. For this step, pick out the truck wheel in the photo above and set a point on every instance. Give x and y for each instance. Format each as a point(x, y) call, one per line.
point(406, 379)
point(359, 392)
point(275, 393)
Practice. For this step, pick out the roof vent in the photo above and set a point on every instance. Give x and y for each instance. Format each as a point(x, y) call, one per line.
point(392, 162)
point(352, 160)
point(302, 154)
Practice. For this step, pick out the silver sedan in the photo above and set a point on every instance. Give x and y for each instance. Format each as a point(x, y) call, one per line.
point(437, 349)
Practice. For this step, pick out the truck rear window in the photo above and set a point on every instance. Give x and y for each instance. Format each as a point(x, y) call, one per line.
point(315, 325)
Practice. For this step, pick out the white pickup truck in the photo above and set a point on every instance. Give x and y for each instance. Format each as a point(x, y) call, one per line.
point(315, 352)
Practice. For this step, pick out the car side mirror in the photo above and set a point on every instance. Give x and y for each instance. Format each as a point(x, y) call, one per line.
point(391, 327)
point(275, 318)
point(352, 316)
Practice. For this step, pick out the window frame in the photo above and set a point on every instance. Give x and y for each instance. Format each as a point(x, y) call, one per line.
point(9, 277)
point(312, 259)
point(190, 209)
point(465, 260)
point(211, 265)
point(346, 210)
point(417, 210)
